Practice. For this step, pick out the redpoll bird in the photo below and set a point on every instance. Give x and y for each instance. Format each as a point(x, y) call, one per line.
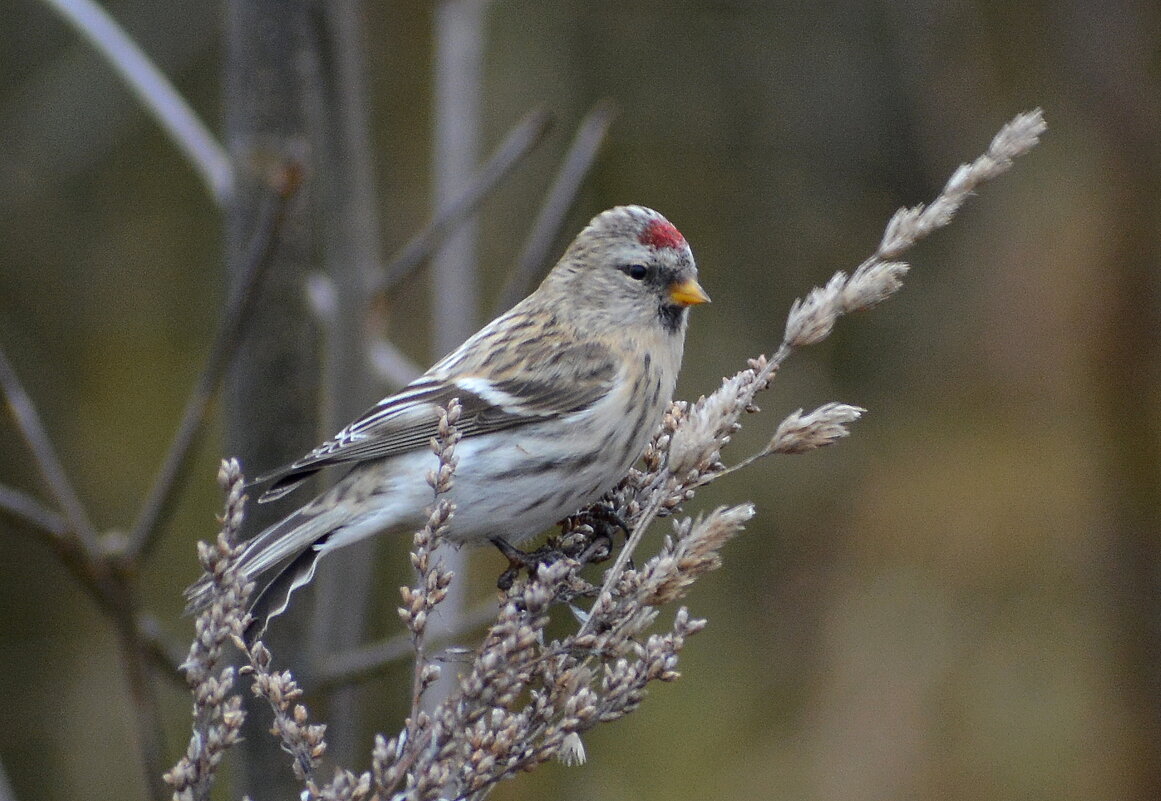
point(559, 397)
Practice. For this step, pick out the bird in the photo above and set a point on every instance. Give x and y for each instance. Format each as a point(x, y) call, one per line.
point(559, 396)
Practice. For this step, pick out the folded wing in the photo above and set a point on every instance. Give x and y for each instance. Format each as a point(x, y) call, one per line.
point(582, 374)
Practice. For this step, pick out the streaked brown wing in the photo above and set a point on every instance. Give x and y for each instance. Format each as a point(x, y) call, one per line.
point(582, 374)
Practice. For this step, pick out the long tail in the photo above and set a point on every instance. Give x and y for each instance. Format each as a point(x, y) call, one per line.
point(279, 560)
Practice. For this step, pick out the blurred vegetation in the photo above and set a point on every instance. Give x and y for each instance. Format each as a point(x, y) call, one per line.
point(959, 602)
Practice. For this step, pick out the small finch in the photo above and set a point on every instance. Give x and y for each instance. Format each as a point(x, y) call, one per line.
point(559, 396)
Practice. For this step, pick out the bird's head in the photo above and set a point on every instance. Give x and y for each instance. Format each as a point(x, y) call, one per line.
point(632, 264)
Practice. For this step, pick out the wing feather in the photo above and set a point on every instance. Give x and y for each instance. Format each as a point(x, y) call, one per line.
point(568, 379)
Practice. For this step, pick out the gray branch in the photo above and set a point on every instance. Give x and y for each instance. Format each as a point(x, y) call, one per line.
point(156, 94)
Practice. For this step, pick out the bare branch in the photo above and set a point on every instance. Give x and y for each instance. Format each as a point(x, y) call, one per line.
point(360, 663)
point(145, 709)
point(33, 511)
point(47, 463)
point(154, 91)
point(94, 574)
point(386, 362)
point(573, 170)
point(527, 133)
point(166, 654)
point(162, 496)
point(391, 364)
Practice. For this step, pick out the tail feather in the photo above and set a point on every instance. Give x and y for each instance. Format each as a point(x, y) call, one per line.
point(279, 560)
point(272, 599)
point(283, 484)
point(288, 538)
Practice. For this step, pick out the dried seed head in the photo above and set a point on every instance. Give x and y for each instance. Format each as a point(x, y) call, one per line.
point(800, 433)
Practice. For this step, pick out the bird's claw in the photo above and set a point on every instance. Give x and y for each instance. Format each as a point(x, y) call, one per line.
point(594, 547)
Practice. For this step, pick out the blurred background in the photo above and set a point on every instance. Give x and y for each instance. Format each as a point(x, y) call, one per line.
point(960, 601)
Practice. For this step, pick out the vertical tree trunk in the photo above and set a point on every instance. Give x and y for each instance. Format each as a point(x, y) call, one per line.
point(338, 113)
point(458, 65)
point(271, 396)
point(293, 90)
point(457, 100)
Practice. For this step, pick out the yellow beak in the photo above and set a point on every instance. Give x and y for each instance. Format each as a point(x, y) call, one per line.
point(688, 293)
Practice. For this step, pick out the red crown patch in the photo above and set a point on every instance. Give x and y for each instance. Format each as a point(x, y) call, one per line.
point(662, 234)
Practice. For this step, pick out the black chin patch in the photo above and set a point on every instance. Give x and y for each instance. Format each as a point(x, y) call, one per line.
point(671, 317)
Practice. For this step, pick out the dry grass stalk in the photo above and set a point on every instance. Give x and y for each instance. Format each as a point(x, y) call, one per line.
point(217, 711)
point(699, 431)
point(525, 698)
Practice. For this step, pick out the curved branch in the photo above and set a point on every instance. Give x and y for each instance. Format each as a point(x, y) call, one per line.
point(357, 664)
point(154, 91)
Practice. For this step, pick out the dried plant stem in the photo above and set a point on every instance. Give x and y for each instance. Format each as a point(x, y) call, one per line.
point(303, 740)
point(639, 527)
point(525, 698)
point(433, 578)
point(217, 711)
point(800, 434)
point(712, 420)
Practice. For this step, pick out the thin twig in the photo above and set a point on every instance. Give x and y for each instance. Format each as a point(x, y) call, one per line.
point(33, 511)
point(47, 463)
point(360, 663)
point(166, 655)
point(575, 167)
point(527, 133)
point(154, 91)
point(162, 496)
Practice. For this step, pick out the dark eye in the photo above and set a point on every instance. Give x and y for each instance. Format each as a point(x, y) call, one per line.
point(636, 271)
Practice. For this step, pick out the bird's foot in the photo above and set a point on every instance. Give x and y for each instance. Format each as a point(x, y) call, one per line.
point(523, 561)
point(591, 533)
point(588, 538)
